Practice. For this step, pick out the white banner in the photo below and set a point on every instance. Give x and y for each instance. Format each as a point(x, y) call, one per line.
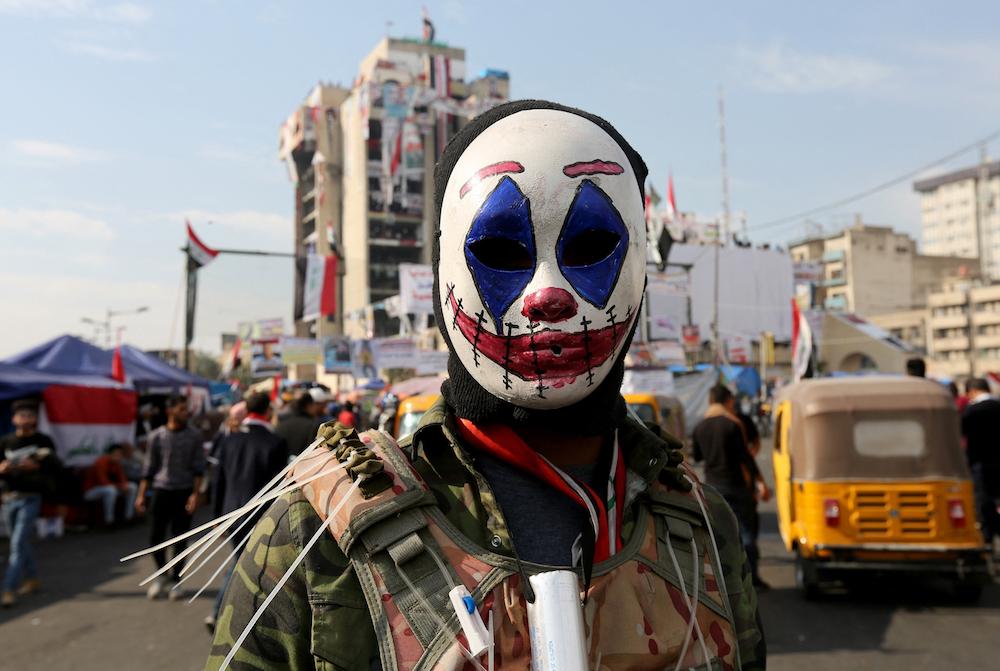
point(312, 287)
point(416, 288)
point(738, 348)
point(430, 362)
point(668, 284)
point(396, 353)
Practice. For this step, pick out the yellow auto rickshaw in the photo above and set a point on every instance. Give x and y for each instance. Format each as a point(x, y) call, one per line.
point(870, 475)
point(662, 409)
point(410, 412)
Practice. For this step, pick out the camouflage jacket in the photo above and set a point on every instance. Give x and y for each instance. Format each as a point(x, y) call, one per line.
point(320, 620)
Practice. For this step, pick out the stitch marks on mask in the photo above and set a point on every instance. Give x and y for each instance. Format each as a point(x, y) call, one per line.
point(549, 358)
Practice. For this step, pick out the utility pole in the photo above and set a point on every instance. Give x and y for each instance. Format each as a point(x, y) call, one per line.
point(984, 208)
point(718, 241)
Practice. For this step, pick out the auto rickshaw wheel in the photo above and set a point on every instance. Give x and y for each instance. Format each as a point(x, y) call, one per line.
point(805, 576)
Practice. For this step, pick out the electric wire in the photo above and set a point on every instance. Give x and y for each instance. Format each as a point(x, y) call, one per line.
point(875, 189)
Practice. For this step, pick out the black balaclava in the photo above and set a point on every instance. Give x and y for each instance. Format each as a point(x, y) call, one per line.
point(597, 413)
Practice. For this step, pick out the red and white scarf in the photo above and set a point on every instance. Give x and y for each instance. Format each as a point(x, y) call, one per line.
point(605, 511)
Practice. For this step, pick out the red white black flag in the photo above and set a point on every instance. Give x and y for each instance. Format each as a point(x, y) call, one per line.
point(199, 252)
point(428, 27)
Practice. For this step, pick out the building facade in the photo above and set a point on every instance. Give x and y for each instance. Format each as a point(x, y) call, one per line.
point(959, 215)
point(872, 270)
point(363, 161)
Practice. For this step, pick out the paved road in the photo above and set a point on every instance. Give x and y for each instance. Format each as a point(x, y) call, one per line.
point(93, 616)
point(888, 624)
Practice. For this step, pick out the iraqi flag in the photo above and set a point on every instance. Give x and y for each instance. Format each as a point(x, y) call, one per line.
point(197, 250)
point(319, 294)
point(801, 344)
point(84, 421)
point(428, 27)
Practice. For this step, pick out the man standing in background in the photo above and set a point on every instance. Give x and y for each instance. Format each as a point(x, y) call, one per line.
point(721, 441)
point(175, 464)
point(981, 428)
point(299, 427)
point(28, 469)
point(247, 460)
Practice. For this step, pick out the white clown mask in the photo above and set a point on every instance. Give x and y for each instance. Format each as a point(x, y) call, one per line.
point(542, 252)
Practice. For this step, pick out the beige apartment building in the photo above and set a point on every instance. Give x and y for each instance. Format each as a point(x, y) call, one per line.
point(870, 270)
point(362, 159)
point(959, 215)
point(959, 330)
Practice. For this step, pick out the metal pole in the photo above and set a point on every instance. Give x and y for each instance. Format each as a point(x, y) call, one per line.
point(192, 295)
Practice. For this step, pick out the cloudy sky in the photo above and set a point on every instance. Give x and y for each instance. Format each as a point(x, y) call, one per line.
point(118, 120)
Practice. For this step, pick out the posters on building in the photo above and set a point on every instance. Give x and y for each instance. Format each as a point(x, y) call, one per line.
point(807, 271)
point(668, 284)
point(265, 357)
point(262, 329)
point(337, 355)
point(666, 327)
point(648, 381)
point(396, 352)
point(300, 350)
point(416, 288)
point(431, 362)
point(738, 349)
point(319, 293)
point(691, 335)
point(365, 359)
point(669, 352)
point(639, 356)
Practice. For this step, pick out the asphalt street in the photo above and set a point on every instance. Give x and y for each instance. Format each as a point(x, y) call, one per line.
point(92, 615)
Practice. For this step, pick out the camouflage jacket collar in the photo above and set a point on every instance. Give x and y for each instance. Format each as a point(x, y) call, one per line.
point(645, 454)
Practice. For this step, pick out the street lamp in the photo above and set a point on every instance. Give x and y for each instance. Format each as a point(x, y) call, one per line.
point(106, 324)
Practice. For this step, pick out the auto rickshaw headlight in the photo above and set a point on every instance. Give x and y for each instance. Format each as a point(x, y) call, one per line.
point(956, 511)
point(831, 511)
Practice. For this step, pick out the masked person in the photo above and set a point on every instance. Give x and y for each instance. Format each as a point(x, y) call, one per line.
point(527, 463)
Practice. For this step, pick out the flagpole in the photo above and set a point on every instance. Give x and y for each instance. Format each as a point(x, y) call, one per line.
point(192, 295)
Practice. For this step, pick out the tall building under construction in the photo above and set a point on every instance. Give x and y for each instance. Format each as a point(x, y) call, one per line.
point(362, 160)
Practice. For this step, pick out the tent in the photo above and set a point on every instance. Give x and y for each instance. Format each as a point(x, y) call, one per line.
point(68, 355)
point(83, 409)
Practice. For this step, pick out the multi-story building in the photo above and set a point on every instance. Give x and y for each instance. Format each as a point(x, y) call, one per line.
point(871, 270)
point(363, 161)
point(960, 215)
point(958, 331)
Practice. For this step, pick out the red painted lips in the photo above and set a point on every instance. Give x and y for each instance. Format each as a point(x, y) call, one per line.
point(544, 354)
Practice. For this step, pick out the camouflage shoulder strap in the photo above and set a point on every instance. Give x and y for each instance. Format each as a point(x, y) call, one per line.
point(384, 532)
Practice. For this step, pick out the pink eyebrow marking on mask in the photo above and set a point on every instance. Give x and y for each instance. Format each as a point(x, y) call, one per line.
point(489, 171)
point(593, 168)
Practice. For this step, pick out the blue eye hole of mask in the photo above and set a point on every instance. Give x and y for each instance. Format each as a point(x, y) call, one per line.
point(500, 248)
point(592, 244)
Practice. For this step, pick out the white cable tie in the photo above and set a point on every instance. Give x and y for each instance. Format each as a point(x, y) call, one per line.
point(720, 578)
point(278, 585)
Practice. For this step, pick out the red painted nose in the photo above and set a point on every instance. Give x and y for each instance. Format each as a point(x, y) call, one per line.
point(549, 305)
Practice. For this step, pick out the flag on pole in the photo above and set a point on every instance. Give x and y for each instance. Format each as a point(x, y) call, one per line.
point(428, 27)
point(801, 344)
point(319, 295)
point(671, 205)
point(117, 366)
point(199, 252)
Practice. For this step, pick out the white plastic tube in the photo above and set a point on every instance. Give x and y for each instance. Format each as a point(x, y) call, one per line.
point(555, 622)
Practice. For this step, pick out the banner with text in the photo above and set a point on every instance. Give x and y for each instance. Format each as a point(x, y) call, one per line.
point(416, 288)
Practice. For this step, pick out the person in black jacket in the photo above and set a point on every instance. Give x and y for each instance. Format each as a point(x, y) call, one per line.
point(720, 440)
point(981, 428)
point(299, 428)
point(247, 460)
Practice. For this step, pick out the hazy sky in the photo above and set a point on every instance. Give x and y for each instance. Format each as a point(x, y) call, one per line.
point(117, 120)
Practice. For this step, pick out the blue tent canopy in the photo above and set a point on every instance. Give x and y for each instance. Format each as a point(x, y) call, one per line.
point(17, 381)
point(70, 356)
